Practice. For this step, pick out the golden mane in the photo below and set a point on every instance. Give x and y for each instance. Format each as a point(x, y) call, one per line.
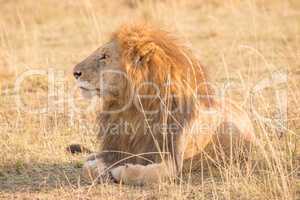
point(152, 55)
point(153, 61)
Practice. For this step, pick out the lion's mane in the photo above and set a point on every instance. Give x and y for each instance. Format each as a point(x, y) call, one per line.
point(151, 55)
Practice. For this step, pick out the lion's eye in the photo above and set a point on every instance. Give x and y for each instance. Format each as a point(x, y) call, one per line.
point(103, 57)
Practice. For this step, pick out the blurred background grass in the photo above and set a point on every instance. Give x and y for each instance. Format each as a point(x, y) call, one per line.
point(239, 42)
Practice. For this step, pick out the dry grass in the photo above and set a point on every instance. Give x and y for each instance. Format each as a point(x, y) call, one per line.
point(239, 42)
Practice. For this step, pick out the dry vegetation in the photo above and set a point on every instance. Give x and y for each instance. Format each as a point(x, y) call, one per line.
point(241, 43)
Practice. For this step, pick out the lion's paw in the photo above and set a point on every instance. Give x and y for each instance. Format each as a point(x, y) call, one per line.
point(95, 170)
point(128, 174)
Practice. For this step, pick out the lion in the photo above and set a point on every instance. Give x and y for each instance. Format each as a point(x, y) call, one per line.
point(158, 111)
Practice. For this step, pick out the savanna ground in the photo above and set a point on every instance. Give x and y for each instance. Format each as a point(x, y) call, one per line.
point(243, 45)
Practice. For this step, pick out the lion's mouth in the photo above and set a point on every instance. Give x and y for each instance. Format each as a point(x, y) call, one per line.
point(87, 87)
point(90, 90)
point(89, 93)
point(94, 91)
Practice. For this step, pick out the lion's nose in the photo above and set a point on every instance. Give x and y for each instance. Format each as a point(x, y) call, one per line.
point(77, 74)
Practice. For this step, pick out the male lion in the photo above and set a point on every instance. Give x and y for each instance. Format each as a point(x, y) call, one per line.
point(158, 110)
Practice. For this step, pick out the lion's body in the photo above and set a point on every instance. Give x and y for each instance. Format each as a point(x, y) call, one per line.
point(158, 108)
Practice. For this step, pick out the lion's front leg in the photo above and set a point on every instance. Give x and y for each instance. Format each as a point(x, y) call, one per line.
point(135, 174)
point(95, 169)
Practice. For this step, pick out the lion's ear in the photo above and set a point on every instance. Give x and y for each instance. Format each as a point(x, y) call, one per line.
point(144, 54)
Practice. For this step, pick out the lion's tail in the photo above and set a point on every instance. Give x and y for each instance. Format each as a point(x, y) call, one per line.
point(77, 148)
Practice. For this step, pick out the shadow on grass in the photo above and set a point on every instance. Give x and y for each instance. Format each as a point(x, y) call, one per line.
point(39, 177)
point(50, 176)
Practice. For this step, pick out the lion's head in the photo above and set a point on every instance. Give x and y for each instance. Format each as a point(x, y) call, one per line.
point(95, 73)
point(143, 66)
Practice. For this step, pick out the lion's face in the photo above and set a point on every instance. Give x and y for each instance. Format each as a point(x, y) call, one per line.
point(101, 73)
point(140, 66)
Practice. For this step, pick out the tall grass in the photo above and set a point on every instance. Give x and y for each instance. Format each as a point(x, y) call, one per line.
point(240, 43)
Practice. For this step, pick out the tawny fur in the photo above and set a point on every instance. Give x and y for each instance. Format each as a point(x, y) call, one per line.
point(182, 98)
